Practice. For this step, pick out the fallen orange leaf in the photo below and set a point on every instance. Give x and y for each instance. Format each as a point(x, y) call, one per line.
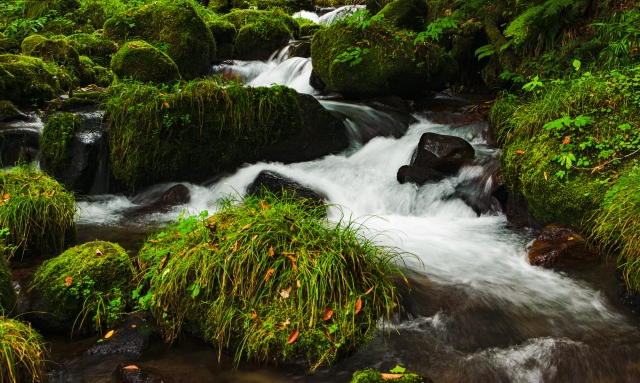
point(68, 281)
point(546, 177)
point(293, 262)
point(235, 245)
point(566, 140)
point(6, 196)
point(131, 367)
point(358, 305)
point(293, 336)
point(519, 151)
point(271, 252)
point(254, 315)
point(387, 376)
point(327, 313)
point(109, 334)
point(166, 104)
point(133, 326)
point(264, 205)
point(269, 274)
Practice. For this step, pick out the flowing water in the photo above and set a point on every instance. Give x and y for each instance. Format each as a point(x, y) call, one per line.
point(477, 311)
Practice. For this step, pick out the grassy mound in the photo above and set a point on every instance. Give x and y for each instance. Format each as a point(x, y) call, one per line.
point(56, 144)
point(37, 210)
point(193, 129)
point(22, 353)
point(144, 62)
point(86, 283)
point(270, 278)
point(374, 376)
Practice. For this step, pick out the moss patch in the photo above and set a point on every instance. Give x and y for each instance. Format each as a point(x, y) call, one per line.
point(37, 210)
point(102, 268)
point(257, 41)
point(94, 46)
point(8, 111)
point(57, 51)
point(409, 14)
point(9, 45)
point(308, 28)
point(23, 352)
point(141, 61)
point(292, 285)
point(240, 18)
point(373, 376)
point(377, 60)
point(56, 144)
point(90, 73)
point(224, 33)
point(173, 26)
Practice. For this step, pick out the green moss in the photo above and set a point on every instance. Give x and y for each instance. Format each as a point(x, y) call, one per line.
point(102, 267)
point(94, 46)
point(29, 43)
point(9, 45)
point(284, 266)
point(175, 27)
point(90, 73)
point(8, 296)
point(308, 27)
point(377, 60)
point(57, 51)
point(409, 14)
point(195, 129)
point(373, 376)
point(219, 6)
point(260, 39)
point(224, 33)
point(242, 17)
point(26, 80)
point(374, 6)
point(23, 354)
point(80, 99)
point(56, 144)
point(287, 6)
point(141, 61)
point(37, 210)
point(8, 111)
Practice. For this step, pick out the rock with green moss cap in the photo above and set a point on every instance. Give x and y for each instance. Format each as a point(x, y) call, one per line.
point(27, 80)
point(258, 41)
point(174, 25)
point(224, 33)
point(57, 51)
point(9, 112)
point(94, 46)
point(38, 211)
point(144, 62)
point(374, 6)
point(287, 6)
point(8, 296)
point(408, 14)
point(9, 45)
point(220, 6)
point(82, 280)
point(90, 73)
point(242, 17)
point(378, 60)
point(308, 28)
point(374, 376)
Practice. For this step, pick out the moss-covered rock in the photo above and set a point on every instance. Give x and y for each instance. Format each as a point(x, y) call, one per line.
point(258, 41)
point(373, 376)
point(173, 25)
point(378, 60)
point(8, 296)
point(220, 6)
point(287, 6)
point(374, 6)
point(24, 353)
point(144, 62)
point(57, 51)
point(83, 279)
point(224, 33)
point(8, 111)
point(90, 73)
point(56, 144)
point(242, 17)
point(294, 306)
point(94, 46)
point(9, 45)
point(26, 80)
point(37, 210)
point(308, 28)
point(409, 14)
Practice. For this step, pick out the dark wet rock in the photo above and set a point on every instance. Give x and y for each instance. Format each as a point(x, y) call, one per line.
point(133, 336)
point(18, 143)
point(630, 300)
point(392, 103)
point(8, 112)
point(443, 153)
point(176, 195)
point(418, 175)
point(316, 82)
point(302, 49)
point(33, 308)
point(480, 192)
point(126, 374)
point(454, 109)
point(277, 184)
point(406, 14)
point(560, 245)
point(324, 10)
point(518, 214)
point(498, 189)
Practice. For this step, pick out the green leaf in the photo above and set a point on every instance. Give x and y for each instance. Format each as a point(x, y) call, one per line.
point(398, 370)
point(576, 64)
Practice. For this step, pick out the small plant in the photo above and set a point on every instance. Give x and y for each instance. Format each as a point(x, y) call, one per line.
point(353, 56)
point(22, 353)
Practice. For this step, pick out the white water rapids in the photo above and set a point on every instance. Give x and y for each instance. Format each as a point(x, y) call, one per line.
point(504, 318)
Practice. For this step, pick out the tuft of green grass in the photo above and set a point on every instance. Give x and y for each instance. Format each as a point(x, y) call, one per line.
point(37, 210)
point(88, 282)
point(22, 353)
point(370, 375)
point(261, 271)
point(57, 142)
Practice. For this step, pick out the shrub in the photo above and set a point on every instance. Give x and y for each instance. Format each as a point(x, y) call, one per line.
point(37, 210)
point(270, 278)
point(88, 282)
point(22, 353)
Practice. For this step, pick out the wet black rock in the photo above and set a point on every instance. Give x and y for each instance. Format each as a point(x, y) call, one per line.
point(316, 82)
point(560, 245)
point(176, 195)
point(390, 103)
point(442, 153)
point(630, 300)
point(134, 374)
point(302, 49)
point(518, 214)
point(418, 175)
point(133, 336)
point(278, 184)
point(33, 308)
point(18, 145)
point(483, 192)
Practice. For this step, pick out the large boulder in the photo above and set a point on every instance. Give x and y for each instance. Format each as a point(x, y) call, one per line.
point(407, 14)
point(175, 25)
point(57, 51)
point(378, 60)
point(560, 245)
point(443, 153)
point(144, 62)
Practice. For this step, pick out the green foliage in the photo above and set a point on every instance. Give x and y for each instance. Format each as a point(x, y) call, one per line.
point(22, 353)
point(94, 46)
point(57, 142)
point(195, 128)
point(87, 282)
point(262, 269)
point(485, 51)
point(8, 296)
point(353, 56)
point(141, 61)
point(373, 376)
point(620, 34)
point(38, 211)
point(264, 19)
point(407, 14)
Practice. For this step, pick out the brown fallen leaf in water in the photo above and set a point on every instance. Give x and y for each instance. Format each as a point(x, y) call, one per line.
point(133, 326)
point(358, 306)
point(109, 334)
point(387, 376)
point(327, 313)
point(131, 367)
point(293, 336)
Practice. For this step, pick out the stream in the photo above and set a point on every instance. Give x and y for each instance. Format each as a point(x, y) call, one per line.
point(477, 311)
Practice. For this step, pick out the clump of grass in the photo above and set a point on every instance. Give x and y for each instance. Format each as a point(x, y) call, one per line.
point(57, 141)
point(37, 210)
point(374, 376)
point(87, 283)
point(617, 224)
point(8, 296)
point(22, 353)
point(270, 278)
